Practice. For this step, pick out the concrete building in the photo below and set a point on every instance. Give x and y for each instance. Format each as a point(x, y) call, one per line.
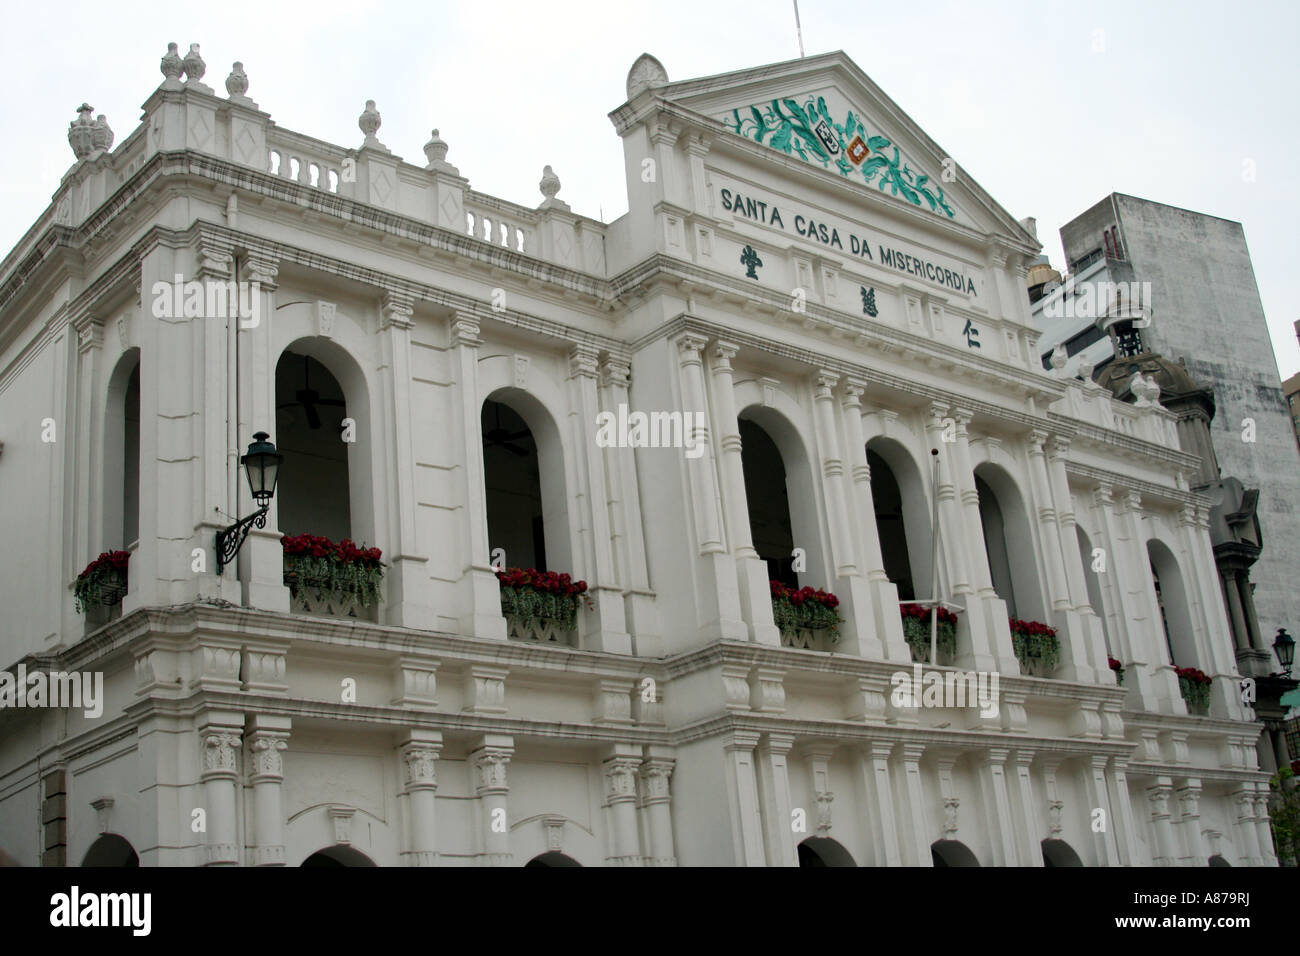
point(1291, 388)
point(809, 326)
point(1195, 301)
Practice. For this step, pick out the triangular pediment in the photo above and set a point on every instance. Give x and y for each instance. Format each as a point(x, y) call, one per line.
point(824, 111)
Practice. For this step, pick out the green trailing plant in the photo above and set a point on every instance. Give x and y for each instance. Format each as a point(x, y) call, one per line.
point(1284, 814)
point(1035, 643)
point(530, 595)
point(1118, 668)
point(342, 569)
point(916, 631)
point(805, 609)
point(1194, 685)
point(103, 582)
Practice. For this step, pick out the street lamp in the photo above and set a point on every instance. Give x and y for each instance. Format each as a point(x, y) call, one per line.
point(262, 465)
point(1284, 648)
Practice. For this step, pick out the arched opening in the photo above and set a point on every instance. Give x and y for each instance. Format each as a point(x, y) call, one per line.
point(768, 498)
point(1059, 853)
point(823, 851)
point(1218, 860)
point(339, 855)
point(553, 858)
point(1009, 543)
point(313, 495)
point(952, 853)
point(121, 501)
point(902, 518)
point(1171, 600)
point(1093, 583)
point(523, 478)
point(111, 850)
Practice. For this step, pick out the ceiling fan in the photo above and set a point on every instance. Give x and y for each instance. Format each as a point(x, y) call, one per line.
point(504, 438)
point(309, 398)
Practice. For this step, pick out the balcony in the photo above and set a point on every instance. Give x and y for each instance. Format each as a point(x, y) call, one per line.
point(332, 580)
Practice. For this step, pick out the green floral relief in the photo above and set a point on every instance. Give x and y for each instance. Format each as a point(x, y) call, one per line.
point(791, 128)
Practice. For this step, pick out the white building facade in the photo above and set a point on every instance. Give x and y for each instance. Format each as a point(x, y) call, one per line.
point(800, 265)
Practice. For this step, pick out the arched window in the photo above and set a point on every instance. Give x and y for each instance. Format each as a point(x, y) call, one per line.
point(121, 500)
point(1171, 601)
point(313, 494)
point(523, 477)
point(1092, 581)
point(111, 850)
point(338, 855)
point(1009, 543)
point(952, 853)
point(769, 502)
point(553, 858)
point(902, 518)
point(1059, 853)
point(823, 851)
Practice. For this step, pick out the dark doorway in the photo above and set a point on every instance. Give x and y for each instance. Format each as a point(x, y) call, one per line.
point(769, 502)
point(823, 851)
point(111, 850)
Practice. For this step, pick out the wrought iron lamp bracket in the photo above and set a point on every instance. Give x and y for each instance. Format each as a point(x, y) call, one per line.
point(231, 539)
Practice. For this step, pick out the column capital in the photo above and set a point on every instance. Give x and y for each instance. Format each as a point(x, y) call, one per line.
point(963, 417)
point(220, 747)
point(267, 745)
point(420, 763)
point(620, 779)
point(396, 310)
point(584, 361)
point(490, 765)
point(824, 385)
point(936, 412)
point(656, 773)
point(1036, 440)
point(615, 372)
point(741, 740)
point(90, 331)
point(723, 353)
point(689, 347)
point(215, 259)
point(263, 270)
point(465, 330)
point(1058, 447)
point(851, 391)
point(1103, 495)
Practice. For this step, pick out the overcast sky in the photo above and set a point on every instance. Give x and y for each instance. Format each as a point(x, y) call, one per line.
point(1170, 107)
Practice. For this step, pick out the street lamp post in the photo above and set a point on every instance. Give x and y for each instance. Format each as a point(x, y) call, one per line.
point(262, 465)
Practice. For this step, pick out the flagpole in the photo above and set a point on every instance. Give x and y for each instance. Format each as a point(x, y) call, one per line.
point(934, 558)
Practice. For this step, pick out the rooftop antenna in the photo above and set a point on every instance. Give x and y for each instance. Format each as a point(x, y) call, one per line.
point(798, 28)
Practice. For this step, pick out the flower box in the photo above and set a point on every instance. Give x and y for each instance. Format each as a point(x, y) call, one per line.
point(1036, 646)
point(916, 631)
point(1194, 685)
point(342, 573)
point(1118, 668)
point(805, 609)
point(103, 582)
point(533, 599)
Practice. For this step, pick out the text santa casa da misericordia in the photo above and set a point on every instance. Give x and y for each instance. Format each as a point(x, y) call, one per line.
point(809, 228)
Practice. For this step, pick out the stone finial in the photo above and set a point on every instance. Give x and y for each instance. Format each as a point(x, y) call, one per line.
point(1085, 369)
point(1153, 390)
point(102, 133)
point(550, 184)
point(171, 65)
point(1059, 357)
point(1137, 385)
point(646, 73)
point(193, 65)
point(81, 132)
point(370, 121)
point(435, 150)
point(237, 81)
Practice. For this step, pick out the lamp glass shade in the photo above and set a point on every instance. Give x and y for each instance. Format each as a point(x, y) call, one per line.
point(1284, 648)
point(262, 465)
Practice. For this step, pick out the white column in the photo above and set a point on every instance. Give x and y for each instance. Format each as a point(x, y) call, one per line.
point(261, 562)
point(879, 790)
point(490, 761)
point(1243, 801)
point(220, 738)
point(408, 599)
point(751, 570)
point(479, 592)
point(882, 635)
point(268, 738)
point(1122, 819)
point(1263, 831)
point(1024, 811)
point(1164, 850)
point(742, 797)
point(419, 753)
point(620, 770)
point(916, 848)
point(591, 511)
point(1189, 822)
point(774, 794)
point(1094, 769)
point(997, 806)
point(656, 807)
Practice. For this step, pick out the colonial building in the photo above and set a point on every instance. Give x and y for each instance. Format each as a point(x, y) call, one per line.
point(807, 338)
